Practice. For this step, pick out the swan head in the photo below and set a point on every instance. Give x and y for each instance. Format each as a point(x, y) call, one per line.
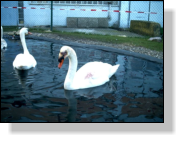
point(24, 30)
point(64, 53)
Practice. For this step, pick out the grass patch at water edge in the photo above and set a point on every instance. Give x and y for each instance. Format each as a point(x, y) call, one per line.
point(128, 41)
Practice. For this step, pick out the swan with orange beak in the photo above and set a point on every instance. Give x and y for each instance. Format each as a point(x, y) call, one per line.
point(92, 74)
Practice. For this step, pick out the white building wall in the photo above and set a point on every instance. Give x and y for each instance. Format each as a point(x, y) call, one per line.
point(124, 17)
point(157, 6)
point(9, 16)
point(139, 6)
point(36, 17)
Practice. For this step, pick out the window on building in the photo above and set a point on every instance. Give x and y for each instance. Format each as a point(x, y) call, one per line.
point(113, 3)
point(39, 2)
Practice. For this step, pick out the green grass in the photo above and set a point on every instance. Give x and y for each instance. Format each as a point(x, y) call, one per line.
point(16, 28)
point(9, 28)
point(37, 30)
point(129, 41)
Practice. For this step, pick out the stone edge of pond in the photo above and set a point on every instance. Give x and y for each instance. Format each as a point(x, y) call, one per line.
point(125, 52)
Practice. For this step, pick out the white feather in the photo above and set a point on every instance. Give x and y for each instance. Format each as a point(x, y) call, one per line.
point(26, 60)
point(90, 75)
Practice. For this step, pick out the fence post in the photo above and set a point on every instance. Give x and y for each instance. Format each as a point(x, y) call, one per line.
point(119, 17)
point(129, 15)
point(51, 15)
point(149, 11)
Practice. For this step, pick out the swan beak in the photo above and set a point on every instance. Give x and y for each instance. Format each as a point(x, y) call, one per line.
point(60, 64)
point(29, 33)
point(60, 60)
point(61, 57)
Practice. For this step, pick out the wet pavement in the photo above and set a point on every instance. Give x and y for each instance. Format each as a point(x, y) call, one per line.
point(101, 31)
point(133, 94)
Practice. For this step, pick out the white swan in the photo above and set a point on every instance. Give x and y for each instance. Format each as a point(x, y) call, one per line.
point(3, 42)
point(24, 61)
point(90, 75)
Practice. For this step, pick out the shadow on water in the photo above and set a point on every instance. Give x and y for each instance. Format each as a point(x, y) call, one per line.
point(133, 94)
point(89, 94)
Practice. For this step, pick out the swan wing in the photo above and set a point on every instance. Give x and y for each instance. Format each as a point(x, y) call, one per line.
point(3, 44)
point(92, 74)
point(24, 61)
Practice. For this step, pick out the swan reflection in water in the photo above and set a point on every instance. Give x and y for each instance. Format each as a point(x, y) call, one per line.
point(25, 76)
point(22, 76)
point(89, 93)
point(26, 79)
point(2, 55)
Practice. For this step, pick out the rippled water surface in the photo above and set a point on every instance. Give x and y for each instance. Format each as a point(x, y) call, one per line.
point(134, 93)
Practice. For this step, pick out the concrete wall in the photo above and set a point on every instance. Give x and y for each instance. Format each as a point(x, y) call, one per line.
point(80, 22)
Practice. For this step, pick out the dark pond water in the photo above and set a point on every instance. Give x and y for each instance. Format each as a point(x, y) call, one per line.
point(134, 93)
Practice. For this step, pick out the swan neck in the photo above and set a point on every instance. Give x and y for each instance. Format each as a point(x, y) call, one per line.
point(72, 68)
point(22, 36)
point(1, 32)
